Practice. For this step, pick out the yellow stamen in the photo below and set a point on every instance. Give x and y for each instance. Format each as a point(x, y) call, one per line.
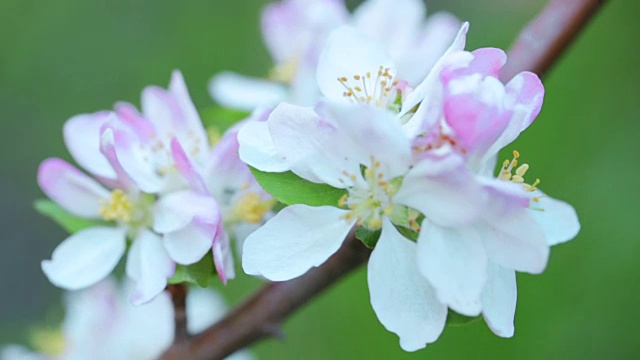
point(117, 208)
point(48, 341)
point(251, 208)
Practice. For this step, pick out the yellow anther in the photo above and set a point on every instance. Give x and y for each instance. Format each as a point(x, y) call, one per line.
point(516, 154)
point(517, 179)
point(251, 208)
point(358, 88)
point(505, 163)
point(343, 79)
point(117, 208)
point(343, 200)
point(356, 77)
point(520, 171)
point(514, 163)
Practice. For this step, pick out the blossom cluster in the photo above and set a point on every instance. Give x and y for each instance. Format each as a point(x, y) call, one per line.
point(383, 107)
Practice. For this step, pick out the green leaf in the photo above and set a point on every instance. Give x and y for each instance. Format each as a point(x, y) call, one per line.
point(455, 319)
point(221, 118)
point(290, 189)
point(368, 236)
point(408, 233)
point(201, 273)
point(68, 221)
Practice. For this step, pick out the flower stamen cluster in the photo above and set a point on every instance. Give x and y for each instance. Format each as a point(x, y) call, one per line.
point(364, 89)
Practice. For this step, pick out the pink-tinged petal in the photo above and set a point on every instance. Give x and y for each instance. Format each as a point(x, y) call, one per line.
point(443, 190)
point(403, 300)
point(108, 148)
point(426, 47)
point(483, 61)
point(296, 239)
point(525, 94)
point(256, 148)
point(350, 53)
point(73, 190)
point(186, 168)
point(236, 91)
point(129, 115)
point(85, 257)
point(512, 238)
point(454, 261)
point(313, 147)
point(369, 132)
point(222, 255)
point(82, 137)
point(177, 209)
point(131, 157)
point(429, 112)
point(393, 23)
point(474, 109)
point(558, 220)
point(499, 300)
point(190, 116)
point(149, 265)
point(189, 244)
point(290, 27)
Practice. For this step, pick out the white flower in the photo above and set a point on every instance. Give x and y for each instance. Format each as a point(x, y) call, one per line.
point(295, 32)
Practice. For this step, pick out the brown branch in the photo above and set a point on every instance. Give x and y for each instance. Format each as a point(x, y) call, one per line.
point(178, 294)
point(546, 38)
point(261, 315)
point(536, 49)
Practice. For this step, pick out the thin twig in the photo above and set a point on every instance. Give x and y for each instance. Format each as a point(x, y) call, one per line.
point(179, 298)
point(546, 38)
point(536, 49)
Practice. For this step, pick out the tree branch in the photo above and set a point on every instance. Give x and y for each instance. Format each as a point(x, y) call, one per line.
point(546, 38)
point(178, 294)
point(536, 49)
point(261, 315)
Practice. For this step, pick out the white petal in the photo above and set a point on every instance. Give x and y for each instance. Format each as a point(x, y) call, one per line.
point(245, 93)
point(312, 146)
point(371, 132)
point(403, 300)
point(177, 209)
point(82, 137)
point(257, 148)
point(558, 220)
point(73, 190)
point(454, 261)
point(429, 112)
point(149, 265)
point(190, 243)
point(499, 300)
point(443, 190)
point(298, 238)
point(19, 352)
point(394, 23)
point(191, 118)
point(85, 257)
point(347, 53)
point(204, 308)
point(512, 237)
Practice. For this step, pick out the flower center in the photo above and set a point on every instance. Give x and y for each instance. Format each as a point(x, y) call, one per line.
point(507, 174)
point(117, 208)
point(370, 198)
point(251, 208)
point(381, 90)
point(284, 72)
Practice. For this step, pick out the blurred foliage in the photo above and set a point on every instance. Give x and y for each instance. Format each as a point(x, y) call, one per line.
point(70, 56)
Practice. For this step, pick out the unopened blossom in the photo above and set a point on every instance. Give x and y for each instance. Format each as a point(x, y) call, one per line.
point(149, 188)
point(295, 32)
point(332, 144)
point(101, 323)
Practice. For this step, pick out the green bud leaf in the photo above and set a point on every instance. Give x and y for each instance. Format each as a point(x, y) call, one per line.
point(290, 189)
point(201, 273)
point(68, 221)
point(408, 233)
point(368, 236)
point(455, 319)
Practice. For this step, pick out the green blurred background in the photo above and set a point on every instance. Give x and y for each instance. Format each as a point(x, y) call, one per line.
point(60, 58)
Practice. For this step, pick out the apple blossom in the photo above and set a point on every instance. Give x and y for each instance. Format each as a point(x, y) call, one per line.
point(295, 31)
